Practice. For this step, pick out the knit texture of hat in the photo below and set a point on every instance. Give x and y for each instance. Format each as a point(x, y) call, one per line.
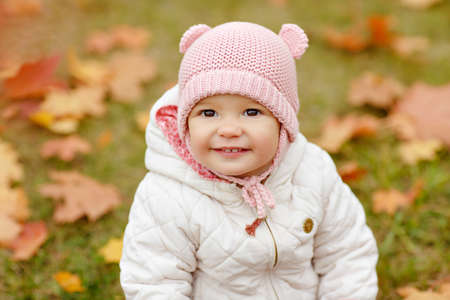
point(245, 59)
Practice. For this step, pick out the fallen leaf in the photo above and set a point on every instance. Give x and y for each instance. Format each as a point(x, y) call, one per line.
point(391, 200)
point(66, 125)
point(374, 89)
point(379, 26)
point(130, 37)
point(351, 171)
point(112, 251)
point(337, 130)
point(403, 125)
point(69, 282)
point(14, 203)
point(91, 72)
point(413, 151)
point(411, 293)
point(354, 40)
point(20, 108)
point(65, 148)
point(33, 235)
point(81, 196)
point(142, 119)
point(406, 46)
point(119, 36)
point(33, 79)
point(9, 229)
point(21, 8)
point(130, 70)
point(104, 139)
point(100, 42)
point(419, 4)
point(11, 169)
point(77, 103)
point(429, 109)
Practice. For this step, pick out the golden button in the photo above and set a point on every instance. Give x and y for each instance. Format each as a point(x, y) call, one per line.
point(308, 225)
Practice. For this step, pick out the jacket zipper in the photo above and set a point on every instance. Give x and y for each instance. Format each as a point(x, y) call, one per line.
point(276, 257)
point(274, 244)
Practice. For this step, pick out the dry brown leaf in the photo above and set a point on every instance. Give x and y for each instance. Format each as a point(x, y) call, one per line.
point(104, 139)
point(91, 72)
point(403, 126)
point(413, 151)
point(112, 251)
point(406, 46)
point(65, 148)
point(429, 108)
point(350, 171)
point(419, 4)
point(33, 235)
point(391, 200)
point(353, 40)
point(21, 8)
point(337, 130)
point(77, 103)
point(81, 196)
point(130, 69)
point(69, 282)
point(11, 169)
point(411, 293)
point(20, 108)
point(374, 89)
point(142, 120)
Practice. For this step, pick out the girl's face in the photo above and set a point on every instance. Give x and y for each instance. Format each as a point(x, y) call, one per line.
point(233, 135)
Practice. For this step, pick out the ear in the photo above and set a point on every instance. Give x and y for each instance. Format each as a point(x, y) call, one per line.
point(295, 38)
point(193, 33)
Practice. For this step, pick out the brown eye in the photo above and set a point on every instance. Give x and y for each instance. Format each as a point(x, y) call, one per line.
point(252, 112)
point(208, 113)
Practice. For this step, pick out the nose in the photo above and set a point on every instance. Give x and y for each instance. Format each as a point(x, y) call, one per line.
point(229, 130)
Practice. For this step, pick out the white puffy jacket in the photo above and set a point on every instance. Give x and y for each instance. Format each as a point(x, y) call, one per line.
point(186, 235)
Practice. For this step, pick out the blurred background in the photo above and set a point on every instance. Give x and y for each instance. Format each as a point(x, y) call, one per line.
point(77, 78)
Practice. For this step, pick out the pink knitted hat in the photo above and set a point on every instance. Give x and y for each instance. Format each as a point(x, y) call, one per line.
point(249, 60)
point(242, 58)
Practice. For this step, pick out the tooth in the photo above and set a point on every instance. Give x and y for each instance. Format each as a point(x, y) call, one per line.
point(235, 150)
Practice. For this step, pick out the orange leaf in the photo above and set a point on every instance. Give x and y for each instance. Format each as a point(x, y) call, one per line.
point(375, 90)
point(429, 109)
point(33, 79)
point(69, 282)
point(336, 131)
point(65, 148)
point(21, 8)
point(353, 41)
point(31, 238)
point(82, 196)
point(351, 171)
point(379, 27)
point(104, 139)
point(391, 200)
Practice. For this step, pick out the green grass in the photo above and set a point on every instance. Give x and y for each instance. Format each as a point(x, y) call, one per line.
point(413, 243)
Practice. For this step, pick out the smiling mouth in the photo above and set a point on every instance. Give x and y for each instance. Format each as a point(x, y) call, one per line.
point(230, 150)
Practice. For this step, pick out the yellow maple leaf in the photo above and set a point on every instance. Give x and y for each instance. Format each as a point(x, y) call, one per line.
point(42, 118)
point(414, 151)
point(91, 72)
point(112, 251)
point(68, 281)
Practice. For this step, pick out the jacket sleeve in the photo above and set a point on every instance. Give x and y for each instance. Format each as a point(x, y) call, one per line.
point(158, 258)
point(345, 251)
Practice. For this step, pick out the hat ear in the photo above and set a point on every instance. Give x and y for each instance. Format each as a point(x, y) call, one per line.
point(193, 33)
point(295, 38)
